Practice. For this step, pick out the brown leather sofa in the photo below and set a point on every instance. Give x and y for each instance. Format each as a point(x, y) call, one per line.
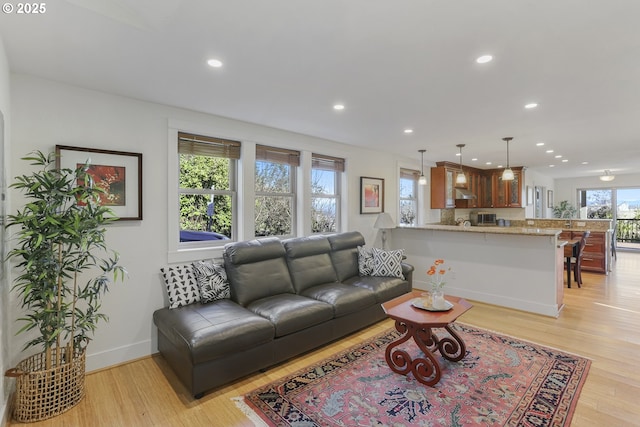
point(287, 297)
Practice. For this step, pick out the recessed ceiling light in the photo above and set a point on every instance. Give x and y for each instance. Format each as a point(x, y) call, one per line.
point(540, 144)
point(475, 159)
point(549, 151)
point(408, 131)
point(552, 166)
point(215, 63)
point(484, 59)
point(585, 163)
point(565, 160)
point(338, 107)
point(531, 105)
point(558, 156)
point(488, 163)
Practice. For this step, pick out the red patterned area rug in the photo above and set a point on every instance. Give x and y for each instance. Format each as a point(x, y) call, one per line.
point(502, 381)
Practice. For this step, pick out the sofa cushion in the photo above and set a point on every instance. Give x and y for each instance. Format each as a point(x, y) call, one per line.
point(384, 288)
point(345, 299)
point(214, 330)
point(290, 313)
point(212, 281)
point(387, 263)
point(256, 269)
point(344, 253)
point(181, 285)
point(309, 261)
point(365, 261)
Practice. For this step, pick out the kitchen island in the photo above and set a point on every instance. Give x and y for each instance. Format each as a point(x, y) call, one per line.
point(515, 267)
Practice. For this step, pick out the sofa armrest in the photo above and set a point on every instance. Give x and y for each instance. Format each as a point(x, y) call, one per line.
point(407, 272)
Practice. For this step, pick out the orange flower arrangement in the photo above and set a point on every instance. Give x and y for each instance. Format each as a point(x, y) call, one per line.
point(437, 272)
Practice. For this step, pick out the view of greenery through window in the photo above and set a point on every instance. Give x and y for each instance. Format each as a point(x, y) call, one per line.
point(324, 201)
point(408, 196)
point(201, 209)
point(599, 203)
point(274, 199)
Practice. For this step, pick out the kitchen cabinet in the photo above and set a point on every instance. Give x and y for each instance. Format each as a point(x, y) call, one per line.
point(594, 257)
point(507, 194)
point(442, 191)
point(486, 191)
point(473, 185)
point(486, 185)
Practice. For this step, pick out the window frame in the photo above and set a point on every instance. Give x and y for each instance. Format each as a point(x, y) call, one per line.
point(413, 176)
point(187, 251)
point(337, 166)
point(276, 155)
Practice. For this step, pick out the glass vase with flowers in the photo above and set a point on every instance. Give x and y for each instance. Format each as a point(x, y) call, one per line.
point(437, 279)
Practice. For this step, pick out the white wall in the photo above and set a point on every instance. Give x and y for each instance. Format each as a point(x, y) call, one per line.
point(5, 383)
point(567, 189)
point(46, 113)
point(534, 179)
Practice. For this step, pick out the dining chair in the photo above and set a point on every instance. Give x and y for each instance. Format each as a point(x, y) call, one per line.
point(614, 240)
point(577, 265)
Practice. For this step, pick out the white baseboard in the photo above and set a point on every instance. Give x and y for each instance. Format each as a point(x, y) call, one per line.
point(119, 355)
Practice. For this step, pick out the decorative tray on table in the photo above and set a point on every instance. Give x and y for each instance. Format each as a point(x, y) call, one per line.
point(420, 303)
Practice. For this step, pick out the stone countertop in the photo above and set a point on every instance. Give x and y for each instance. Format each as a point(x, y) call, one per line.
point(524, 231)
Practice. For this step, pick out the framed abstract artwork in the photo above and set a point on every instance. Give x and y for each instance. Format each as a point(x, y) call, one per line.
point(118, 173)
point(371, 195)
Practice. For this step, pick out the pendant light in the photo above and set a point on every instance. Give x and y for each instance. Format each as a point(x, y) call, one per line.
point(507, 175)
point(461, 179)
point(423, 179)
point(607, 176)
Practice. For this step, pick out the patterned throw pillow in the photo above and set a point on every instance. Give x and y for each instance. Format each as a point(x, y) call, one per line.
point(365, 261)
point(212, 281)
point(181, 285)
point(387, 263)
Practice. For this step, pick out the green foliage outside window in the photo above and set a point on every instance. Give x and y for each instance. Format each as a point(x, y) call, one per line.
point(274, 201)
point(205, 173)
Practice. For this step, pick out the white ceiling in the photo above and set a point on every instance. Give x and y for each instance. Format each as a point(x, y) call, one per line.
point(394, 64)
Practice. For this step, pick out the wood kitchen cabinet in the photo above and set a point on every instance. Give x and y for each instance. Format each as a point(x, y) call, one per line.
point(594, 257)
point(442, 191)
point(486, 185)
point(486, 192)
point(507, 194)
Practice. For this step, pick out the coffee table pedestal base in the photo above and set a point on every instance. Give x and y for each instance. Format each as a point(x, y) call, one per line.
point(425, 369)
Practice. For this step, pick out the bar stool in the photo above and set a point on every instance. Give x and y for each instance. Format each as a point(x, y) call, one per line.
point(577, 265)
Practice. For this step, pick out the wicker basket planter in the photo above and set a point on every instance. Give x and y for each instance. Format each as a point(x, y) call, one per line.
point(44, 393)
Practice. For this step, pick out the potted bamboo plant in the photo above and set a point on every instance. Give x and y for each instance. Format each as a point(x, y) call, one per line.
point(65, 268)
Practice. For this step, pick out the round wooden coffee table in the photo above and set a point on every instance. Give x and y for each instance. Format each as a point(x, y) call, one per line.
point(418, 324)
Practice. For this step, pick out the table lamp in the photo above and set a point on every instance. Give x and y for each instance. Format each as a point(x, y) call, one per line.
point(384, 222)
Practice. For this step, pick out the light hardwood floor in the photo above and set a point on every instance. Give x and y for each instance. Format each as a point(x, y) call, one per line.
point(601, 321)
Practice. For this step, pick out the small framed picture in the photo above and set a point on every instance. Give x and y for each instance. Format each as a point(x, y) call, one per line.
point(371, 195)
point(118, 173)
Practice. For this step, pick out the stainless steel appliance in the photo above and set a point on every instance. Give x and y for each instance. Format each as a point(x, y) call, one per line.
point(482, 218)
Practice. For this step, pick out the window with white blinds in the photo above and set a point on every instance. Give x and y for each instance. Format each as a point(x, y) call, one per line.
point(408, 196)
point(326, 173)
point(207, 189)
point(275, 198)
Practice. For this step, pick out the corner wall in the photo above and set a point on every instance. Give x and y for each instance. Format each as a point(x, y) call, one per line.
point(5, 383)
